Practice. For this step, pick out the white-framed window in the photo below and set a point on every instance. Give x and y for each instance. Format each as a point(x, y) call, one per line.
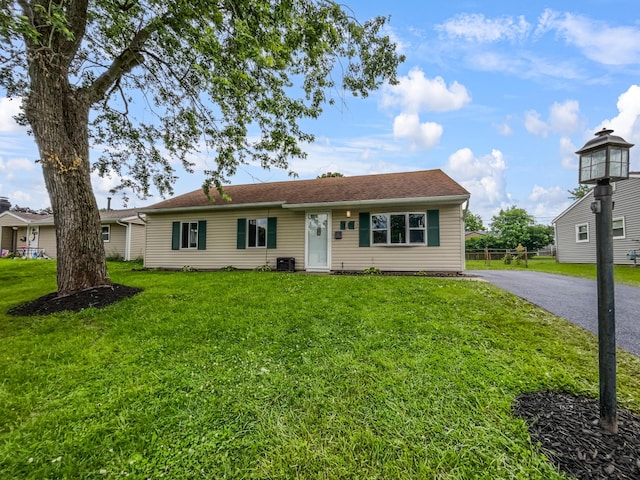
point(257, 232)
point(618, 227)
point(582, 232)
point(189, 235)
point(106, 233)
point(399, 228)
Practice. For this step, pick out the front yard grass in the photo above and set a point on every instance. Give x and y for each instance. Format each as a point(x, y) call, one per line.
point(624, 274)
point(276, 375)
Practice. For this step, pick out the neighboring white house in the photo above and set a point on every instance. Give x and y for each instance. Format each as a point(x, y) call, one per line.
point(33, 235)
point(393, 222)
point(575, 228)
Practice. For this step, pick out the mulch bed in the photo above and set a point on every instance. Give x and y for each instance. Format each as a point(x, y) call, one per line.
point(567, 428)
point(96, 297)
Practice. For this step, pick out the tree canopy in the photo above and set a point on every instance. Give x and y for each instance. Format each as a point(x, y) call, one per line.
point(473, 223)
point(579, 192)
point(151, 82)
point(330, 175)
point(512, 227)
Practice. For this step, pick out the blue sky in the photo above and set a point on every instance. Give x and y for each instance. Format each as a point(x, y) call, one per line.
point(497, 94)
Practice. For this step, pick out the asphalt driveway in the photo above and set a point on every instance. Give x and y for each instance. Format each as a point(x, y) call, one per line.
point(574, 299)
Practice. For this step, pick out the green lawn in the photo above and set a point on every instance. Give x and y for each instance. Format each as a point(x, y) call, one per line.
point(624, 274)
point(280, 376)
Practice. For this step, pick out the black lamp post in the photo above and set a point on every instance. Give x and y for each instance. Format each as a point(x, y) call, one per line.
point(605, 159)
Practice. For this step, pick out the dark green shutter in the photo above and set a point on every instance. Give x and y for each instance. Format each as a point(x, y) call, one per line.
point(202, 234)
point(175, 236)
point(364, 229)
point(242, 233)
point(272, 224)
point(433, 228)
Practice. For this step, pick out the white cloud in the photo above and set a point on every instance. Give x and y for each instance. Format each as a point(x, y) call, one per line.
point(626, 124)
point(483, 177)
point(540, 193)
point(478, 28)
point(426, 135)
point(569, 159)
point(597, 40)
point(547, 203)
point(415, 93)
point(534, 125)
point(504, 128)
point(565, 117)
point(16, 164)
point(9, 107)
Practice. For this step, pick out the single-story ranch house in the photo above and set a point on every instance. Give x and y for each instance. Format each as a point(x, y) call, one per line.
point(575, 228)
point(392, 222)
point(33, 235)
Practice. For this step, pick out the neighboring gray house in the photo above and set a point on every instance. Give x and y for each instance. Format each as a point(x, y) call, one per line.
point(575, 228)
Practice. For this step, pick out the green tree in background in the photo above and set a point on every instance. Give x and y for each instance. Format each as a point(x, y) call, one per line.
point(330, 175)
point(579, 192)
point(472, 223)
point(515, 226)
point(233, 77)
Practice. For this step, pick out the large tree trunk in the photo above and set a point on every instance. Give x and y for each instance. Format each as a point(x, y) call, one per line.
point(59, 120)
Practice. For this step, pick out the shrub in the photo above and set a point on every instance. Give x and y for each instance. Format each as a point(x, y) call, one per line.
point(263, 268)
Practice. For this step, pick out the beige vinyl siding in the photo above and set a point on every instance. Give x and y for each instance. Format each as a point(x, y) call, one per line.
point(116, 246)
point(47, 240)
point(9, 221)
point(222, 248)
point(448, 257)
point(7, 234)
point(626, 198)
point(6, 237)
point(137, 241)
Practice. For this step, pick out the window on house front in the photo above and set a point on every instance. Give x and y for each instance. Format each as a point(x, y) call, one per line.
point(582, 232)
point(618, 228)
point(189, 235)
point(398, 228)
point(257, 233)
point(106, 233)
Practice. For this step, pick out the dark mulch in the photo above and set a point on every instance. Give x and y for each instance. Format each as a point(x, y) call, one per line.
point(96, 297)
point(567, 428)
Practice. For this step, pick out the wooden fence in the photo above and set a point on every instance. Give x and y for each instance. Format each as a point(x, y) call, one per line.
point(511, 255)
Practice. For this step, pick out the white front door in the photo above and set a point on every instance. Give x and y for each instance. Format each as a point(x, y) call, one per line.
point(318, 244)
point(32, 237)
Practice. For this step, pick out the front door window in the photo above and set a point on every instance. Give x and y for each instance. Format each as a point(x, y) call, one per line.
point(318, 241)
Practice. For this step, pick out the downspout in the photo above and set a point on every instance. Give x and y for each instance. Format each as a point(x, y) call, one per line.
point(465, 212)
point(144, 220)
point(127, 239)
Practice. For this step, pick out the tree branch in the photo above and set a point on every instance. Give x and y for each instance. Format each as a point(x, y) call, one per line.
point(130, 58)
